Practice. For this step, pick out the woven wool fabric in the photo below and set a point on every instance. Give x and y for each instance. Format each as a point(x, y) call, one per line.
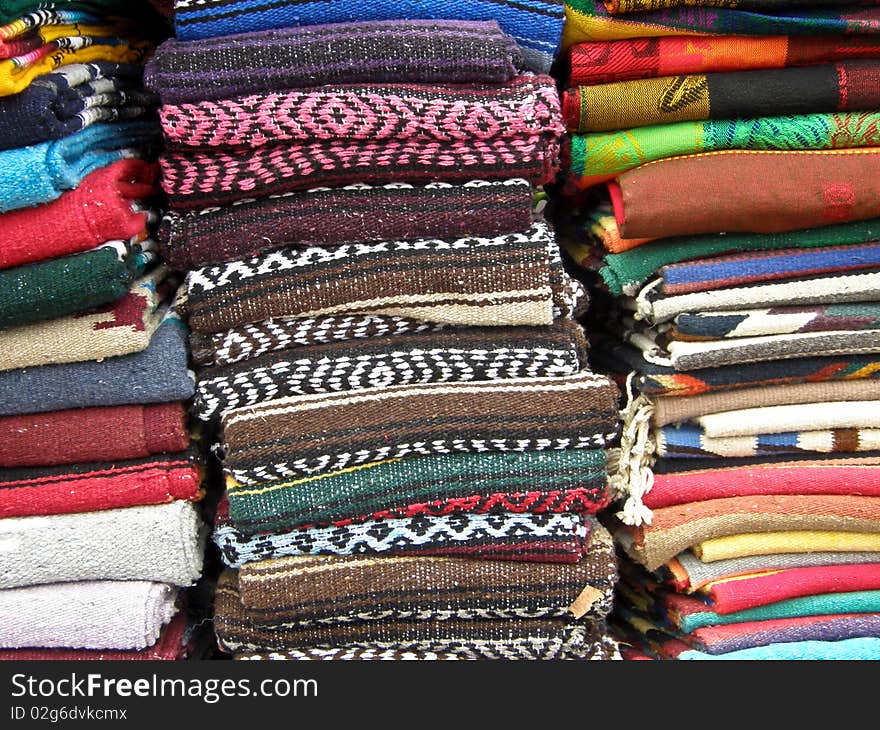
point(629, 6)
point(449, 52)
point(654, 379)
point(714, 191)
point(101, 208)
point(843, 86)
point(274, 335)
point(42, 172)
point(626, 271)
point(674, 529)
point(545, 538)
point(349, 588)
point(589, 20)
point(454, 355)
point(59, 287)
point(315, 434)
point(527, 105)
point(195, 180)
point(599, 156)
point(171, 645)
point(506, 280)
point(92, 434)
point(536, 25)
point(858, 287)
point(686, 613)
point(350, 214)
point(831, 318)
point(86, 614)
point(72, 98)
point(677, 484)
point(571, 480)
point(691, 573)
point(689, 442)
point(13, 10)
point(162, 543)
point(672, 410)
point(859, 649)
point(94, 487)
point(485, 639)
point(601, 227)
point(157, 374)
point(120, 328)
point(791, 541)
point(638, 58)
point(738, 594)
point(746, 421)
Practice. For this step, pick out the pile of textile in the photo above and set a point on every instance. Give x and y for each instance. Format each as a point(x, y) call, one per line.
point(98, 470)
point(725, 199)
point(412, 442)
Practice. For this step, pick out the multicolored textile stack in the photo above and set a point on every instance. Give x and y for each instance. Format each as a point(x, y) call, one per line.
point(98, 470)
point(412, 442)
point(727, 210)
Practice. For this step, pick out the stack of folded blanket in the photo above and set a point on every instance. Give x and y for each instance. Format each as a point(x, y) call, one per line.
point(725, 203)
point(98, 470)
point(412, 442)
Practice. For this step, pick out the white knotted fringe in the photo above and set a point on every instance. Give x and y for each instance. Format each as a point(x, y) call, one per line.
point(630, 476)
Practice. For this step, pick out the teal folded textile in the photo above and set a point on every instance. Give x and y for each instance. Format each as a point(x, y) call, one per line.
point(71, 284)
point(849, 649)
point(40, 173)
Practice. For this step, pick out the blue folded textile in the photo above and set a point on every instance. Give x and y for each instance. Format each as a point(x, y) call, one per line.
point(536, 25)
point(40, 173)
point(158, 374)
point(849, 649)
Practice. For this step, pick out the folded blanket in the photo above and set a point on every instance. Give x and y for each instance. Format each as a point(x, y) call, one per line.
point(195, 180)
point(799, 189)
point(73, 97)
point(449, 52)
point(103, 207)
point(675, 528)
point(671, 410)
point(589, 20)
point(454, 355)
point(536, 25)
point(86, 615)
point(599, 156)
point(290, 333)
point(71, 44)
point(746, 421)
point(669, 55)
point(654, 379)
point(788, 542)
point(92, 434)
point(59, 287)
point(842, 86)
point(629, 6)
point(42, 172)
point(171, 645)
point(94, 487)
point(542, 538)
point(524, 107)
point(345, 589)
point(120, 328)
point(13, 10)
point(860, 649)
point(351, 214)
point(163, 543)
point(506, 280)
point(484, 639)
point(600, 226)
point(156, 374)
point(686, 613)
point(623, 272)
point(689, 573)
point(690, 441)
point(308, 435)
point(758, 589)
point(568, 480)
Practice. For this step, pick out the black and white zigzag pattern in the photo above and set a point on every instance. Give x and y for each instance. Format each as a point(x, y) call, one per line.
point(304, 375)
point(396, 534)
